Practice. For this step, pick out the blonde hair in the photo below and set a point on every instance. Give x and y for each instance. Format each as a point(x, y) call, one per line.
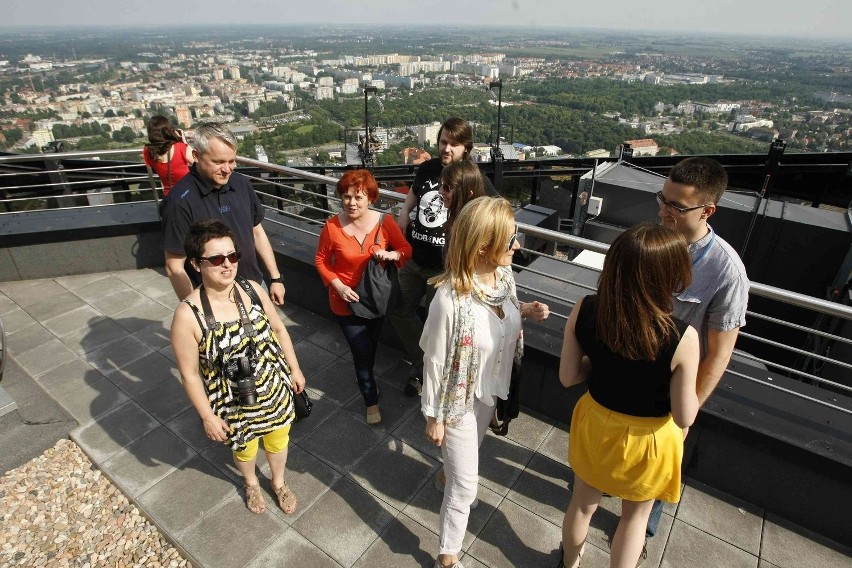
point(484, 225)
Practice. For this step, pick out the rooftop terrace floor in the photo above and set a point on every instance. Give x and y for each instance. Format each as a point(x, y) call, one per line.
point(98, 344)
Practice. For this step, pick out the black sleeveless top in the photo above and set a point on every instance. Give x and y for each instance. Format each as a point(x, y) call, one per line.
point(637, 388)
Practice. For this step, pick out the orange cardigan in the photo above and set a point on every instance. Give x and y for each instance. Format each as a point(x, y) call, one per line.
point(340, 255)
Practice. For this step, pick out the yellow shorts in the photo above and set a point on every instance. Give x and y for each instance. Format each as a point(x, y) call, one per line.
point(633, 457)
point(275, 442)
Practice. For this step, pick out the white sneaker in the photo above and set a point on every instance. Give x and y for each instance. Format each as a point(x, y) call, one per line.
point(439, 486)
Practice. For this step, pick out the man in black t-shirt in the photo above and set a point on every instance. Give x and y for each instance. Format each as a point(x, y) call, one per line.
point(425, 231)
point(213, 191)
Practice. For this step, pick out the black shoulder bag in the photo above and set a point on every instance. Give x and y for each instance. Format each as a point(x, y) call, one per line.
point(378, 290)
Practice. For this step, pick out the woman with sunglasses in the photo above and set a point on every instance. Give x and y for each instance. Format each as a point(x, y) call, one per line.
point(237, 362)
point(346, 243)
point(471, 337)
point(640, 363)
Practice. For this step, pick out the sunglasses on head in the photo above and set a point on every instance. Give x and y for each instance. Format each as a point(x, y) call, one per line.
point(219, 259)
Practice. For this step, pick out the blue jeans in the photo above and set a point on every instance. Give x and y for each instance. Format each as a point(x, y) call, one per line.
point(362, 334)
point(654, 519)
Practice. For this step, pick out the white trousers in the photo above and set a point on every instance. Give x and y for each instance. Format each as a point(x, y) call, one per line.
point(461, 466)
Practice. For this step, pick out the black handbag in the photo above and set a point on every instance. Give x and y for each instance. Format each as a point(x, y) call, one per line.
point(303, 404)
point(378, 290)
point(507, 410)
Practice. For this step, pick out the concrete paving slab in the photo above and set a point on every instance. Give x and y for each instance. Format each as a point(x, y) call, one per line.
point(119, 301)
point(100, 288)
point(143, 374)
point(345, 505)
point(403, 544)
point(226, 536)
point(292, 545)
point(164, 401)
point(144, 462)
point(530, 429)
point(726, 517)
point(555, 444)
point(336, 382)
point(16, 319)
point(341, 441)
point(158, 333)
point(30, 337)
point(787, 545)
point(312, 359)
point(689, 546)
point(55, 305)
point(142, 314)
point(89, 397)
point(541, 488)
point(42, 358)
point(94, 334)
point(73, 320)
point(501, 462)
point(25, 293)
point(394, 472)
point(80, 280)
point(181, 498)
point(328, 336)
point(113, 431)
point(116, 355)
point(516, 537)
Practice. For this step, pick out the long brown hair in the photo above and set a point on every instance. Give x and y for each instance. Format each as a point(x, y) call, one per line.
point(161, 136)
point(465, 179)
point(644, 267)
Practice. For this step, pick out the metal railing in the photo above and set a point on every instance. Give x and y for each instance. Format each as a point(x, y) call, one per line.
point(303, 201)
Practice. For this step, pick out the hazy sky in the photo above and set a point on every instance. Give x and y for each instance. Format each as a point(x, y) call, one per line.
point(810, 18)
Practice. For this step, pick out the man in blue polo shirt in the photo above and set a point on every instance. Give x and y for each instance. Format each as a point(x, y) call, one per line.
point(213, 191)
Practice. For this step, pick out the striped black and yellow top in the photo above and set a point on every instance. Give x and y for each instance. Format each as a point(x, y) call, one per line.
point(228, 340)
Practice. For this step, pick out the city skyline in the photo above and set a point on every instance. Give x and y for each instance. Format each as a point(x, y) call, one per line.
point(816, 19)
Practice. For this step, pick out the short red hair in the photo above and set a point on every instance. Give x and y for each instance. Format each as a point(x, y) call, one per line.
point(362, 180)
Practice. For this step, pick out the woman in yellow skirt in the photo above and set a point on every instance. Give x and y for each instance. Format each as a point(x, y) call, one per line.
point(640, 363)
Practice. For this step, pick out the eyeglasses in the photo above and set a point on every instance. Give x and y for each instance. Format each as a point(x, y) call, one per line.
point(219, 259)
point(446, 187)
point(512, 240)
point(671, 207)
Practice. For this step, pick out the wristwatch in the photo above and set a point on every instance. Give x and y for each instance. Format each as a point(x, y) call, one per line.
point(279, 280)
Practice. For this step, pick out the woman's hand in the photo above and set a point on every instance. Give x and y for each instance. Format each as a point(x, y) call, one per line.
point(346, 293)
point(216, 428)
point(434, 431)
point(536, 311)
point(298, 380)
point(383, 255)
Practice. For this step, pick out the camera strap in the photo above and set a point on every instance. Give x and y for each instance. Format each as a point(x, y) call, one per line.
point(211, 319)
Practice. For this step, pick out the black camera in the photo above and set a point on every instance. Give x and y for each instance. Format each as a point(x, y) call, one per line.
point(239, 370)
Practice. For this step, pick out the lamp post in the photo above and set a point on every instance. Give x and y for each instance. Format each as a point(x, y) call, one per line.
point(366, 151)
point(496, 152)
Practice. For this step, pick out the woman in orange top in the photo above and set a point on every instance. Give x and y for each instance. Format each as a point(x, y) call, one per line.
point(167, 152)
point(345, 246)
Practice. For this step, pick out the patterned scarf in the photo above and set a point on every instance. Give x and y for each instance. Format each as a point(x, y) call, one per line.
point(459, 381)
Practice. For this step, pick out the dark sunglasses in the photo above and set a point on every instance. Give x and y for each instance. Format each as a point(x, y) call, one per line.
point(512, 240)
point(219, 259)
point(662, 201)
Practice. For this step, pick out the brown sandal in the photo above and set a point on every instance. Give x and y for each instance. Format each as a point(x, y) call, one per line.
point(254, 499)
point(286, 498)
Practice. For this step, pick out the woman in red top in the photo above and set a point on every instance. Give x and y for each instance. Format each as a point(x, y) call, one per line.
point(345, 246)
point(166, 152)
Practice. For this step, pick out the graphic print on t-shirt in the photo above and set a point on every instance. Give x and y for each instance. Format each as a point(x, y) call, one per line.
point(431, 212)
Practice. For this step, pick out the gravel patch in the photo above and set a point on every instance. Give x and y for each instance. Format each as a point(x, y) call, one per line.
point(59, 510)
